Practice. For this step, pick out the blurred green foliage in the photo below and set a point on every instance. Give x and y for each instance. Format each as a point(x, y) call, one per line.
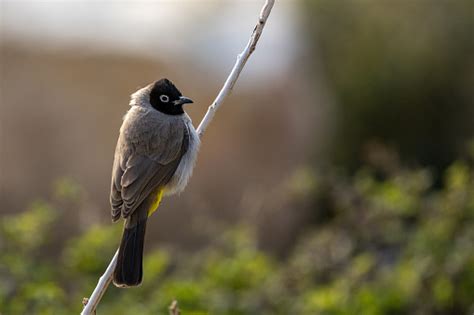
point(391, 245)
point(399, 72)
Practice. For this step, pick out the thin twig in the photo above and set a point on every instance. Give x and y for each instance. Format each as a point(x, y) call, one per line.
point(104, 281)
point(242, 58)
point(85, 301)
point(238, 66)
point(173, 309)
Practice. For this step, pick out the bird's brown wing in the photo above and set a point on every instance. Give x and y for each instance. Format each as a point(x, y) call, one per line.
point(140, 169)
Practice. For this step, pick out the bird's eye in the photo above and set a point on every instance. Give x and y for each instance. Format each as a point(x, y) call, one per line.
point(164, 98)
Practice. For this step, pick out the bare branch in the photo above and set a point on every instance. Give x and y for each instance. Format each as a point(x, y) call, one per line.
point(85, 301)
point(238, 66)
point(104, 281)
point(173, 309)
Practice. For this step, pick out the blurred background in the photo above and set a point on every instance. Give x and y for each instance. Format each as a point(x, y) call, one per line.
point(337, 178)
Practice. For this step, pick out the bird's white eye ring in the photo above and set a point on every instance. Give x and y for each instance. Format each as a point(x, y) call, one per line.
point(164, 98)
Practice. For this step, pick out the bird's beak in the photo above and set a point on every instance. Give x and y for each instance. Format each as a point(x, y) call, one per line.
point(183, 100)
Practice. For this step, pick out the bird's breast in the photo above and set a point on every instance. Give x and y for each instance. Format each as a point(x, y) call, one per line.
point(185, 168)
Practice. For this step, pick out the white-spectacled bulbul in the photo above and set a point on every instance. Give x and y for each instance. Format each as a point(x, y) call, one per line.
point(155, 155)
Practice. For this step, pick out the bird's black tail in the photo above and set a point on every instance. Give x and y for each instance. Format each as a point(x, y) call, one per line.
point(129, 269)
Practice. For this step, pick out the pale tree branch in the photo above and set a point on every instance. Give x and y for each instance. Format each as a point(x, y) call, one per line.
point(173, 308)
point(91, 303)
point(238, 66)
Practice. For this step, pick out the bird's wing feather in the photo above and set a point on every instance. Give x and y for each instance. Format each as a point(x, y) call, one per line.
point(143, 178)
point(116, 201)
point(143, 163)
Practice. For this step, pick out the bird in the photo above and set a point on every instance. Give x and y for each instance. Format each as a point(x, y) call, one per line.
point(155, 155)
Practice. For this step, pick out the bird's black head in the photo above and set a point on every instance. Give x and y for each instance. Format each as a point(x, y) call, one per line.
point(166, 98)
